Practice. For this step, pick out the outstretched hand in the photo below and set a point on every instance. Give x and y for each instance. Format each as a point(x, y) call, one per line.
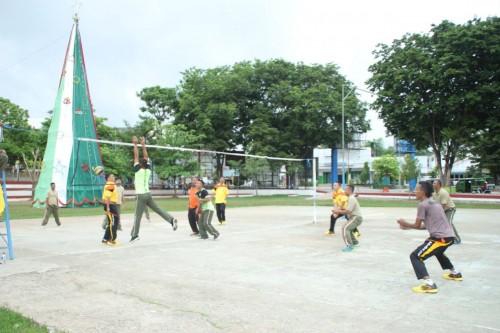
point(135, 140)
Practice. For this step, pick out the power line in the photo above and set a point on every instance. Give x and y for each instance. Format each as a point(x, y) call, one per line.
point(32, 54)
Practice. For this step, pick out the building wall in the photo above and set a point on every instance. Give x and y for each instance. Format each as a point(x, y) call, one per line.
point(355, 159)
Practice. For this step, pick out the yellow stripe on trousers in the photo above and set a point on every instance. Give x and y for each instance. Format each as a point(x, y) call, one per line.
point(435, 245)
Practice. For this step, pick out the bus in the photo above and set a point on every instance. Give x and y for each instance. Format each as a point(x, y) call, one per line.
point(469, 185)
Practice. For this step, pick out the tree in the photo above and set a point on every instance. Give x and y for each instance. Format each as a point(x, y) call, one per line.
point(486, 148)
point(410, 168)
point(364, 176)
point(386, 166)
point(116, 159)
point(253, 167)
point(434, 172)
point(273, 107)
point(377, 147)
point(173, 163)
point(300, 105)
point(435, 90)
point(207, 106)
point(33, 167)
point(18, 136)
point(473, 171)
point(161, 103)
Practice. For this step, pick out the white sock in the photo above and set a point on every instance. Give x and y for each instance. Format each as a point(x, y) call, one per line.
point(454, 271)
point(429, 281)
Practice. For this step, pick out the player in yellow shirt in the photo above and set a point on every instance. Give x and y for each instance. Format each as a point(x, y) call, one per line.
point(110, 198)
point(339, 202)
point(221, 193)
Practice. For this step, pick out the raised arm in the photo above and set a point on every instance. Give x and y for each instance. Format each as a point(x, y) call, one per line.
point(136, 150)
point(144, 151)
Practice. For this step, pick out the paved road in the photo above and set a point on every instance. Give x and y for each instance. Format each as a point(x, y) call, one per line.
point(271, 271)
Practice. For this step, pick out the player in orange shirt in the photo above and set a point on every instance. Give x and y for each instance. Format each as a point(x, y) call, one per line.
point(192, 206)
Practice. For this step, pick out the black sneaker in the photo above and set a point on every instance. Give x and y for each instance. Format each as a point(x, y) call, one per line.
point(174, 224)
point(133, 239)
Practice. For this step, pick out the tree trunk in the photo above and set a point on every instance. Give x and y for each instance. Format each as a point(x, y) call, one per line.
point(220, 164)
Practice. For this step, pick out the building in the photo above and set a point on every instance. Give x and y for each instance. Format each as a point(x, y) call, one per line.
point(353, 160)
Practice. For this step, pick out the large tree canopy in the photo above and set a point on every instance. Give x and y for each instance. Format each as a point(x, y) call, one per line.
point(207, 106)
point(273, 108)
point(302, 104)
point(440, 90)
point(18, 135)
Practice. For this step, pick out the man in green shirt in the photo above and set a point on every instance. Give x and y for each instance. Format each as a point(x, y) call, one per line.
point(443, 197)
point(52, 205)
point(142, 170)
point(207, 209)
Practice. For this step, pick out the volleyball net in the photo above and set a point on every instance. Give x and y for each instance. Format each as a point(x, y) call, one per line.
point(287, 168)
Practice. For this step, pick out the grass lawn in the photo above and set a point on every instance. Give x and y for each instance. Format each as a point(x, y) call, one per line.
point(13, 322)
point(23, 210)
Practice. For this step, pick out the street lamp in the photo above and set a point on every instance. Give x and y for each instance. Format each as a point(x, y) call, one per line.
point(343, 144)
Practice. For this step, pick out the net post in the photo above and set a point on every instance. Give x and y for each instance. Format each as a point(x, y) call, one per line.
point(314, 188)
point(7, 220)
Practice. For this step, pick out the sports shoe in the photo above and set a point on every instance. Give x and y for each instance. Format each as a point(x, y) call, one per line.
point(451, 276)
point(426, 288)
point(104, 242)
point(223, 223)
point(357, 245)
point(348, 248)
point(329, 233)
point(216, 236)
point(174, 224)
point(133, 239)
point(195, 234)
point(457, 242)
point(113, 243)
point(357, 234)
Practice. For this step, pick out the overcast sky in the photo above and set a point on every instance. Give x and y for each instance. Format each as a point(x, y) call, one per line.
point(129, 45)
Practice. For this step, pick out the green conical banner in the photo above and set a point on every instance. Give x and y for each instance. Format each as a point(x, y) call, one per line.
point(68, 162)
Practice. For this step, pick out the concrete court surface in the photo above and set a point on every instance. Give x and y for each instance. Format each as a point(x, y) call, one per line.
point(271, 271)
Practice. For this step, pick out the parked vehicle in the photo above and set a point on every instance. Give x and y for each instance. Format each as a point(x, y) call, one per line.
point(470, 185)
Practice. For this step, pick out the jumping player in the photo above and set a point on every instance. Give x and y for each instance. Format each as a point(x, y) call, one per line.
point(142, 170)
